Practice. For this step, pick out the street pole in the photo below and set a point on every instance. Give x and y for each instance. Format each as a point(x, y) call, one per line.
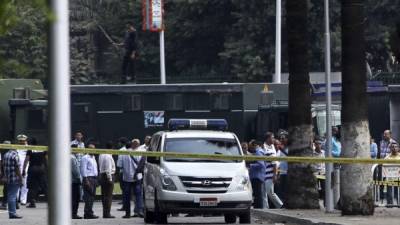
point(278, 42)
point(328, 153)
point(162, 58)
point(59, 117)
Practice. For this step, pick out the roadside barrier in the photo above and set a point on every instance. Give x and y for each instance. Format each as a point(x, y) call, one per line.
point(209, 156)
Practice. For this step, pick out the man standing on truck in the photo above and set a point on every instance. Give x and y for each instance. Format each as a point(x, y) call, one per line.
point(130, 55)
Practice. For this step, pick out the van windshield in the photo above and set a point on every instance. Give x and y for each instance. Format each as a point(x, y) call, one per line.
point(211, 146)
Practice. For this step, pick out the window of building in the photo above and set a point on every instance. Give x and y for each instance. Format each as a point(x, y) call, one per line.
point(133, 103)
point(174, 102)
point(37, 119)
point(220, 101)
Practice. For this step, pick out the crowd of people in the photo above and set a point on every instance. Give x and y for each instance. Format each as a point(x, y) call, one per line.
point(269, 178)
point(24, 175)
point(24, 172)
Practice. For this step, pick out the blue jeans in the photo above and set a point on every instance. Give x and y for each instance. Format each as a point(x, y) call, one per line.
point(127, 193)
point(12, 191)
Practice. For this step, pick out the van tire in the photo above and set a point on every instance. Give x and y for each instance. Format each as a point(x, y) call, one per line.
point(245, 218)
point(230, 218)
point(148, 216)
point(160, 217)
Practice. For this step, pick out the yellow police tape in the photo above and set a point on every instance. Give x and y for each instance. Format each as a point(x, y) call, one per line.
point(209, 156)
point(387, 183)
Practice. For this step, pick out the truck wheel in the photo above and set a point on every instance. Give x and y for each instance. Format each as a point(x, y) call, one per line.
point(245, 218)
point(160, 217)
point(230, 218)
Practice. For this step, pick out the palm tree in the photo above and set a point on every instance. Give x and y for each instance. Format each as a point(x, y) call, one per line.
point(302, 192)
point(356, 189)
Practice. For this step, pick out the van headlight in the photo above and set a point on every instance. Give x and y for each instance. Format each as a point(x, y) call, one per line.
point(241, 183)
point(167, 182)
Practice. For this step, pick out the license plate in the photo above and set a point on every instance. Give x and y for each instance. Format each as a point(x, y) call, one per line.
point(208, 202)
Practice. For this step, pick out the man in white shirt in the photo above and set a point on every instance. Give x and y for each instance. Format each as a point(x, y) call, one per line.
point(271, 171)
point(88, 167)
point(144, 147)
point(129, 165)
point(23, 191)
point(107, 171)
point(123, 145)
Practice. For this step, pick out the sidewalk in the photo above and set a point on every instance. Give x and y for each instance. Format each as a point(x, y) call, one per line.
point(383, 216)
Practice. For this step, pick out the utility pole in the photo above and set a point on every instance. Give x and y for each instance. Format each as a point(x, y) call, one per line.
point(328, 153)
point(59, 117)
point(278, 42)
point(162, 58)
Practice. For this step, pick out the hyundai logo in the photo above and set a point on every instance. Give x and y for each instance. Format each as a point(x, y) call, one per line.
point(206, 182)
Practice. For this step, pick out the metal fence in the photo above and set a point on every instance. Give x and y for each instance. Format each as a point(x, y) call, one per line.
point(386, 185)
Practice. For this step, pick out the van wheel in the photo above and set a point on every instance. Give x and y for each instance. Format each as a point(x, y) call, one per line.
point(160, 217)
point(230, 218)
point(148, 216)
point(245, 218)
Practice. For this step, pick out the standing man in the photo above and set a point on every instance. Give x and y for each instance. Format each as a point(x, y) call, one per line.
point(129, 167)
point(76, 184)
point(37, 176)
point(319, 167)
point(130, 56)
point(123, 145)
point(146, 145)
point(13, 178)
point(283, 165)
point(23, 190)
point(88, 168)
point(257, 175)
point(107, 171)
point(271, 172)
point(394, 154)
point(78, 141)
point(387, 140)
point(4, 202)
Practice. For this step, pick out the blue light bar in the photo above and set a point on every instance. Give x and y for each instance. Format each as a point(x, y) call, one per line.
point(197, 124)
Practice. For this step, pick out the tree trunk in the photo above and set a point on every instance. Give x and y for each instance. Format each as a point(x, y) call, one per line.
point(356, 189)
point(302, 191)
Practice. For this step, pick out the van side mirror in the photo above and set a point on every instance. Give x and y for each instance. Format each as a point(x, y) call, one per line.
point(153, 160)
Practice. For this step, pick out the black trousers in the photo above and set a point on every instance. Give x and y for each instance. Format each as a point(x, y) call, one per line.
point(76, 196)
point(258, 191)
point(89, 194)
point(107, 188)
point(128, 68)
point(4, 203)
point(37, 182)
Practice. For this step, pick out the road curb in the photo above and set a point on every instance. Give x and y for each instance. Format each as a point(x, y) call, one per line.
point(276, 216)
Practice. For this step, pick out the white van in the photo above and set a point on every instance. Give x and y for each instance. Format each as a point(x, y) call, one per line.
point(196, 186)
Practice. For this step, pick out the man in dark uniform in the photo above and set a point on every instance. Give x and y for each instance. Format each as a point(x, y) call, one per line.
point(130, 56)
point(37, 176)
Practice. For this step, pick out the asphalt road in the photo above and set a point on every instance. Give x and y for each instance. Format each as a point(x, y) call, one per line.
point(38, 216)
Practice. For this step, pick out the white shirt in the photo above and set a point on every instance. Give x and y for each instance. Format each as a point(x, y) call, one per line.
point(88, 166)
point(128, 166)
point(119, 162)
point(143, 148)
point(269, 150)
point(319, 167)
point(107, 165)
point(22, 157)
point(80, 144)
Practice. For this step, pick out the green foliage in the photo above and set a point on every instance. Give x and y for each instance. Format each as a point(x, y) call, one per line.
point(226, 40)
point(23, 46)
